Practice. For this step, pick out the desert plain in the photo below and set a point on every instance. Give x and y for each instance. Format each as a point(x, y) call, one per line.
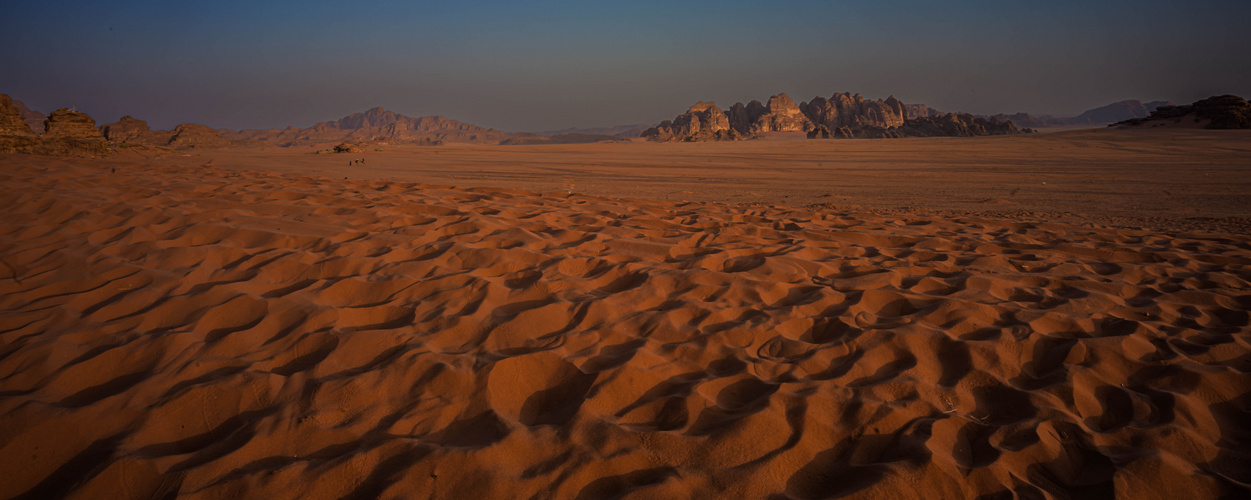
point(1060, 315)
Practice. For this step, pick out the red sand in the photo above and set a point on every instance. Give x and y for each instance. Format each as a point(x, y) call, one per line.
point(214, 333)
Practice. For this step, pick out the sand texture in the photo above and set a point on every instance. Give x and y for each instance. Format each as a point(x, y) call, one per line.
point(203, 332)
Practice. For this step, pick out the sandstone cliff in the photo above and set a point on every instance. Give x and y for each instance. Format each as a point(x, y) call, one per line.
point(781, 114)
point(130, 130)
point(73, 133)
point(944, 125)
point(15, 135)
point(702, 122)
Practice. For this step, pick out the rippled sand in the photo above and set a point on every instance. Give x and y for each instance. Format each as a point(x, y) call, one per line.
point(214, 333)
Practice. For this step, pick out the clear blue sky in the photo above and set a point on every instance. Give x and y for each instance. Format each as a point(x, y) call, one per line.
point(552, 64)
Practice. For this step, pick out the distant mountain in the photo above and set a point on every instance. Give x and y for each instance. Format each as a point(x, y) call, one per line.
point(1103, 115)
point(619, 131)
point(377, 125)
point(1217, 112)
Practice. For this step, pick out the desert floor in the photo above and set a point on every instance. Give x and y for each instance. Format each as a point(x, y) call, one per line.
point(275, 324)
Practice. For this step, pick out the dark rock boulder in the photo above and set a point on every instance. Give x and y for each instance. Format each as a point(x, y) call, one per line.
point(819, 132)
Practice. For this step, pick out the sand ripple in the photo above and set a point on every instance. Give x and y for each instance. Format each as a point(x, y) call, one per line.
point(214, 334)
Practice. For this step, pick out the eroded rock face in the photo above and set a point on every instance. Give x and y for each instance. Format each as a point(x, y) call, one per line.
point(781, 115)
point(852, 110)
point(703, 121)
point(11, 122)
point(130, 130)
point(33, 118)
point(73, 132)
point(820, 132)
point(194, 135)
point(15, 135)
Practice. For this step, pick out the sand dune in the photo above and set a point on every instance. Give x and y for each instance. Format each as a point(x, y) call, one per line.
point(215, 333)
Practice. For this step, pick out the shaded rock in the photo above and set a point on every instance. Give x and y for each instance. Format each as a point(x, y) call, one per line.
point(1216, 112)
point(33, 118)
point(852, 110)
point(820, 132)
point(348, 148)
point(1103, 115)
point(919, 111)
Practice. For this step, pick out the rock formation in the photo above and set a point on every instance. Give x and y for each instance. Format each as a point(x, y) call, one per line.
point(1216, 112)
point(130, 130)
point(842, 115)
point(33, 118)
point(192, 135)
point(944, 125)
point(919, 111)
point(11, 122)
point(15, 135)
point(703, 121)
point(73, 132)
point(820, 132)
point(780, 115)
point(851, 110)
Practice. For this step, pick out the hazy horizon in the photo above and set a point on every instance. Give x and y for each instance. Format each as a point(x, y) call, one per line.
point(557, 65)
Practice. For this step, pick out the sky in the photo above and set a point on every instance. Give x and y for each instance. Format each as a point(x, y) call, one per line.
point(541, 65)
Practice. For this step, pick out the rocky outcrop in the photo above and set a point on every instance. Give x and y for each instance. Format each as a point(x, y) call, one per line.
point(820, 132)
point(919, 111)
point(1216, 112)
point(133, 131)
point(703, 121)
point(193, 135)
point(33, 118)
point(852, 110)
point(842, 115)
point(944, 125)
point(780, 115)
point(15, 135)
point(11, 122)
point(72, 133)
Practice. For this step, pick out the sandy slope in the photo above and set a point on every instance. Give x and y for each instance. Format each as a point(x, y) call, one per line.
point(210, 333)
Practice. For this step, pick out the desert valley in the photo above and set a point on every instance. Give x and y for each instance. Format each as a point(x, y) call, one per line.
point(793, 250)
point(867, 299)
